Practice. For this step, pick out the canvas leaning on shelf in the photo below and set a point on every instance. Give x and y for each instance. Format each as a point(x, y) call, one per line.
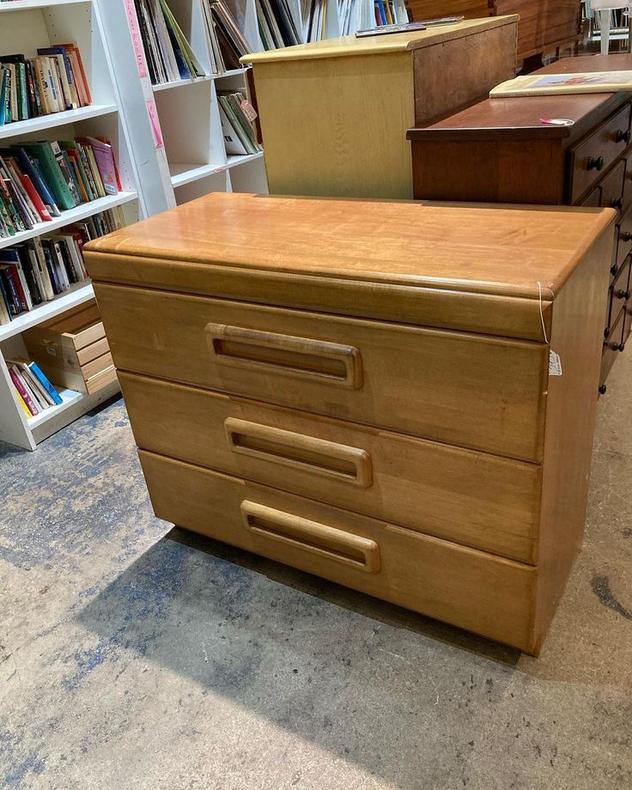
point(550, 84)
point(54, 81)
point(168, 53)
point(40, 269)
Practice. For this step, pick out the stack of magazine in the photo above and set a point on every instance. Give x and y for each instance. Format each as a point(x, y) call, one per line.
point(238, 123)
point(169, 55)
point(226, 41)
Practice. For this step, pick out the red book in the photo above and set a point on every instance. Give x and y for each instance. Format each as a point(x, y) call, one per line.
point(17, 382)
point(35, 198)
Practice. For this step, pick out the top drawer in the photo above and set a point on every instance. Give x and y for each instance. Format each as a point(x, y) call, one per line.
point(596, 153)
point(463, 389)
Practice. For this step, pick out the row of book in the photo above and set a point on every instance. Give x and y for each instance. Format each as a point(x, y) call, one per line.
point(238, 117)
point(354, 15)
point(34, 391)
point(168, 53)
point(40, 269)
point(54, 81)
point(277, 25)
point(40, 179)
point(226, 42)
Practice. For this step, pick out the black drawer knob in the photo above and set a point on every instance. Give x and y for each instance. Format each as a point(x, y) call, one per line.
point(595, 163)
point(627, 236)
point(621, 294)
point(613, 269)
point(617, 203)
point(603, 389)
point(615, 345)
point(622, 136)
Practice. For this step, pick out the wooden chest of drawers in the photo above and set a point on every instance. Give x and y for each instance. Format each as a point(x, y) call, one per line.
point(543, 25)
point(334, 113)
point(320, 382)
point(500, 151)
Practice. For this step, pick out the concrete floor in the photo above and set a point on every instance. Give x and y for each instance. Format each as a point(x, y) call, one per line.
point(136, 656)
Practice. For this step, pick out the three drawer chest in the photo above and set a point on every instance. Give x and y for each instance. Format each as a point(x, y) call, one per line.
point(371, 392)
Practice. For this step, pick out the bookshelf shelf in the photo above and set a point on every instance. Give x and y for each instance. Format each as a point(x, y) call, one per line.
point(20, 128)
point(235, 161)
point(79, 293)
point(165, 86)
point(68, 217)
point(186, 173)
point(69, 398)
point(28, 5)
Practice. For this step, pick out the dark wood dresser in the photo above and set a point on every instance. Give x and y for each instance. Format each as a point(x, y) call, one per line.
point(499, 150)
point(321, 383)
point(544, 25)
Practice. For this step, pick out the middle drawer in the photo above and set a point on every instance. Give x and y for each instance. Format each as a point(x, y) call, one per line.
point(469, 390)
point(472, 498)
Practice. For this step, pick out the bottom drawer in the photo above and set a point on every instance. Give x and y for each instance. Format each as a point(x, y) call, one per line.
point(480, 592)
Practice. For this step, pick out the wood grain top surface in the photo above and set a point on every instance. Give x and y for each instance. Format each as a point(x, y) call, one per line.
point(345, 46)
point(519, 113)
point(491, 249)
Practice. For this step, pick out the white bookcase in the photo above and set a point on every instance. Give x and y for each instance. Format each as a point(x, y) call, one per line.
point(26, 25)
point(175, 128)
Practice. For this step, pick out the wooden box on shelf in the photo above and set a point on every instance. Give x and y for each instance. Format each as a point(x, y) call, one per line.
point(334, 113)
point(73, 350)
point(378, 409)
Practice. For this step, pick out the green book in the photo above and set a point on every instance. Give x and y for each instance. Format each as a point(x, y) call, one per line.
point(52, 173)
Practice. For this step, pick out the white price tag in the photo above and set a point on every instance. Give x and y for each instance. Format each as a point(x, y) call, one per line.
point(555, 364)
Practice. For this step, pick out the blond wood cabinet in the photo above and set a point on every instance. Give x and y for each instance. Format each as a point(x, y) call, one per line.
point(431, 455)
point(334, 113)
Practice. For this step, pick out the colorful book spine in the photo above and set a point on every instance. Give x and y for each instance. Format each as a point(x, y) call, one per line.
point(39, 375)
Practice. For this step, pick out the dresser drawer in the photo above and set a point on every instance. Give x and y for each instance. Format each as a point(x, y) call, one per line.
point(612, 187)
point(613, 344)
point(469, 390)
point(597, 152)
point(493, 502)
point(465, 587)
point(619, 292)
point(624, 238)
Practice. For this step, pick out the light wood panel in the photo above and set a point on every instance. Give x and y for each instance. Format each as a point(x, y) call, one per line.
point(338, 126)
point(469, 390)
point(578, 318)
point(468, 588)
point(476, 499)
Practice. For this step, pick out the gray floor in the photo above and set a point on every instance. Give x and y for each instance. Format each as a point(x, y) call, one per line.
point(135, 656)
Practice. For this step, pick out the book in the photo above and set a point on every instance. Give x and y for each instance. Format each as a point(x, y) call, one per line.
point(168, 53)
point(39, 269)
point(37, 372)
point(22, 390)
point(551, 84)
point(53, 81)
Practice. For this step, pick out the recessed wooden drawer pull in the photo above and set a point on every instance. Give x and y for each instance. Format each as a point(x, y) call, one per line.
point(310, 536)
point(305, 453)
point(317, 360)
